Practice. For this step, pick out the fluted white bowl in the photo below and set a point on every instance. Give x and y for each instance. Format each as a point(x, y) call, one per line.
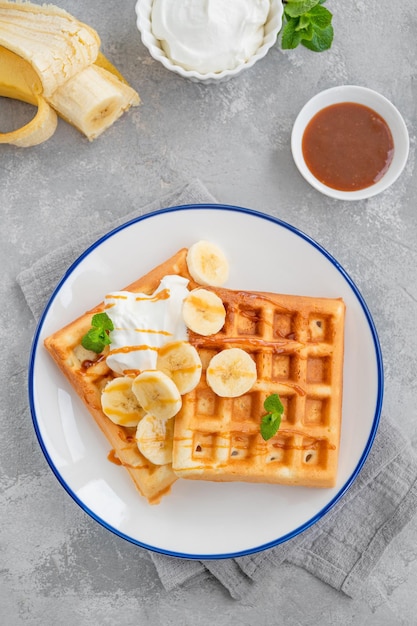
point(272, 27)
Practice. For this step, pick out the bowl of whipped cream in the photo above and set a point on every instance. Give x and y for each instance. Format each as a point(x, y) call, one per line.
point(209, 41)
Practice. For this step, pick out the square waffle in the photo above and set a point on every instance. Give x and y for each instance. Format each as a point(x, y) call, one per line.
point(297, 344)
point(89, 377)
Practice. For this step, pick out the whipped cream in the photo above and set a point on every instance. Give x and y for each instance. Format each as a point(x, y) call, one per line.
point(209, 35)
point(143, 323)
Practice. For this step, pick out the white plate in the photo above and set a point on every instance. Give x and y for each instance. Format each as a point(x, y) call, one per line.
point(201, 519)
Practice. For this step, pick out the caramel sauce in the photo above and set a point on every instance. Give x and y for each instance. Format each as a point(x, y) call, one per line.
point(348, 146)
point(113, 458)
point(89, 363)
point(164, 294)
point(305, 446)
point(131, 373)
point(299, 390)
point(240, 296)
point(118, 297)
point(200, 303)
point(153, 332)
point(126, 435)
point(126, 349)
point(277, 346)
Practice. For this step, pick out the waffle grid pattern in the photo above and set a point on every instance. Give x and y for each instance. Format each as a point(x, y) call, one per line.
point(297, 344)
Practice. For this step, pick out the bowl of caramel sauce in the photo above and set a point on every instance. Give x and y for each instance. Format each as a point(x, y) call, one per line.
point(350, 142)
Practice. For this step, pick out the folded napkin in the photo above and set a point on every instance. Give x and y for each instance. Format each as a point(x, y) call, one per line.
point(343, 548)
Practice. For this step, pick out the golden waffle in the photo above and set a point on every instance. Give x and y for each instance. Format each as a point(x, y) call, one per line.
point(297, 345)
point(89, 377)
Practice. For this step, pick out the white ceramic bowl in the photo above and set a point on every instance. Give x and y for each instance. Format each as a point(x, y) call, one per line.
point(272, 28)
point(366, 97)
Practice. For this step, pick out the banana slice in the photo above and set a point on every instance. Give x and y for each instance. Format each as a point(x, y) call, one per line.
point(207, 264)
point(203, 312)
point(154, 438)
point(181, 361)
point(157, 394)
point(119, 402)
point(231, 373)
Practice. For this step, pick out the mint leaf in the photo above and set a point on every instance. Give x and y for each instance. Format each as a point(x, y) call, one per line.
point(102, 320)
point(273, 404)
point(308, 23)
point(295, 8)
point(320, 17)
point(98, 336)
point(321, 40)
point(306, 32)
point(291, 37)
point(272, 420)
point(269, 425)
point(303, 22)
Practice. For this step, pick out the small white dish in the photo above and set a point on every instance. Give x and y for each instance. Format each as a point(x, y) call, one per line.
point(272, 27)
point(201, 519)
point(372, 100)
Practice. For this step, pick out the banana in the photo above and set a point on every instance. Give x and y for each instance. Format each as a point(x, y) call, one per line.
point(154, 438)
point(18, 80)
point(231, 373)
point(181, 361)
point(203, 312)
point(93, 100)
point(51, 60)
point(119, 402)
point(207, 264)
point(55, 43)
point(157, 394)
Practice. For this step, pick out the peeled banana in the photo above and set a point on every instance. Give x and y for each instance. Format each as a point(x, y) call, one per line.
point(50, 59)
point(93, 100)
point(207, 264)
point(55, 43)
point(203, 312)
point(231, 373)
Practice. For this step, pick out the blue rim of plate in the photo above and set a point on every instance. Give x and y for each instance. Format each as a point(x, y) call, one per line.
point(379, 398)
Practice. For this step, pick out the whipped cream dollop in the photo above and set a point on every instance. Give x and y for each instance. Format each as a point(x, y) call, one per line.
point(209, 35)
point(143, 323)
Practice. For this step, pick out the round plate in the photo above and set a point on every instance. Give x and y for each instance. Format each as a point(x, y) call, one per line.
point(201, 519)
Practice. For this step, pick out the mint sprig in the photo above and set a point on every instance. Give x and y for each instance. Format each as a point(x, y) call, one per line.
point(308, 23)
point(272, 420)
point(98, 336)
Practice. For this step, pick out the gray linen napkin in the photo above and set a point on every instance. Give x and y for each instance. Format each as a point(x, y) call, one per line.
point(344, 547)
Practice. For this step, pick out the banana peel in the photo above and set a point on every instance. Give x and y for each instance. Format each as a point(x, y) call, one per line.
point(81, 84)
point(18, 80)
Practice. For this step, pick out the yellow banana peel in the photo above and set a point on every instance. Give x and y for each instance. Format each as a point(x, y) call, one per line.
point(18, 80)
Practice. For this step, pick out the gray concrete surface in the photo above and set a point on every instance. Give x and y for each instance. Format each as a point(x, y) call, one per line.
point(57, 565)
